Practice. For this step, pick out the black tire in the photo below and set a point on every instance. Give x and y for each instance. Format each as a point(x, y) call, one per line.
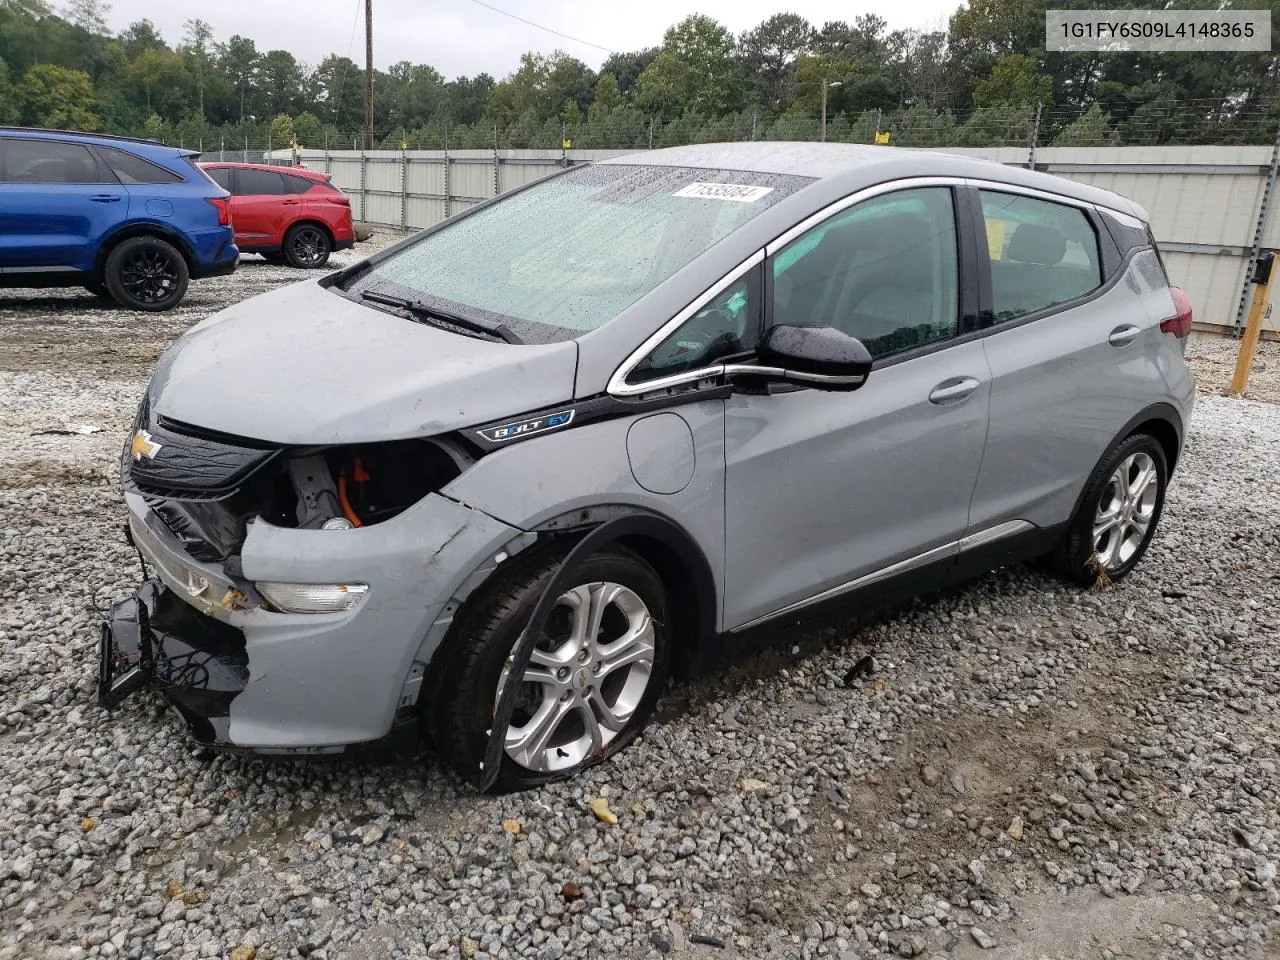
point(458, 706)
point(1074, 558)
point(146, 273)
point(307, 246)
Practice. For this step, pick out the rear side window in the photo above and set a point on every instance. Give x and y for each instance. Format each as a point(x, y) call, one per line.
point(1151, 241)
point(221, 176)
point(47, 161)
point(259, 183)
point(131, 169)
point(1042, 253)
point(297, 184)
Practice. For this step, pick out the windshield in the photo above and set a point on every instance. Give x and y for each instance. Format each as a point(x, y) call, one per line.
point(567, 255)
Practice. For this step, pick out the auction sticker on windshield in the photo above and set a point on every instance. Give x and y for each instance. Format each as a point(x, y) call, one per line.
point(740, 192)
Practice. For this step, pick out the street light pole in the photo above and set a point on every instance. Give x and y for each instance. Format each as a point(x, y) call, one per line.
point(368, 74)
point(826, 83)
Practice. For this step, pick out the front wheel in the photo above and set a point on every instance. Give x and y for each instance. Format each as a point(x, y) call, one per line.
point(1117, 516)
point(591, 684)
point(307, 246)
point(146, 273)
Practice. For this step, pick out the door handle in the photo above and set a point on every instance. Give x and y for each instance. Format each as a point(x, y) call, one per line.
point(950, 391)
point(291, 202)
point(104, 198)
point(1124, 335)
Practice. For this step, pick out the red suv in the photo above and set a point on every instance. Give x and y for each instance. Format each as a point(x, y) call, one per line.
point(287, 214)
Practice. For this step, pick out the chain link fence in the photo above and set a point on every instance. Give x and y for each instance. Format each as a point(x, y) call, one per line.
point(1155, 123)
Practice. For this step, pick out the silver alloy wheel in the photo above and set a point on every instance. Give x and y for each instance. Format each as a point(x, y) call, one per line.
point(1125, 511)
point(583, 686)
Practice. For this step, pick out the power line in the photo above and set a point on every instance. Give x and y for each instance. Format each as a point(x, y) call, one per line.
point(489, 6)
point(342, 82)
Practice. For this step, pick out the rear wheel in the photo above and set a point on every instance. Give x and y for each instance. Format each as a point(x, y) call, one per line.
point(307, 246)
point(1118, 516)
point(146, 273)
point(591, 684)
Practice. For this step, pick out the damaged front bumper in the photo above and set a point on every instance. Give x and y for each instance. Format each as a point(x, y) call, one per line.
point(245, 676)
point(196, 662)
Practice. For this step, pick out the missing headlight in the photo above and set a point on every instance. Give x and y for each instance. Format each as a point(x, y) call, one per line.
point(363, 484)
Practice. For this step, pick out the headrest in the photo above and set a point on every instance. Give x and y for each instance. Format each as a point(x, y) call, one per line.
point(881, 237)
point(1035, 243)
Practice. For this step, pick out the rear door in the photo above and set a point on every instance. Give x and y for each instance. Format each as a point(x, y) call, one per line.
point(151, 187)
point(56, 203)
point(262, 207)
point(1072, 346)
point(316, 202)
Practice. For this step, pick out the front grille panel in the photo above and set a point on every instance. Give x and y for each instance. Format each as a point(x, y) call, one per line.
point(203, 485)
point(183, 464)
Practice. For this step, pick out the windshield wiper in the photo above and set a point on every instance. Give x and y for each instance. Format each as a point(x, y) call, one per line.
point(420, 309)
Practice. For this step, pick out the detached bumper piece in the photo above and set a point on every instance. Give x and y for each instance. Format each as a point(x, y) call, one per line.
point(197, 663)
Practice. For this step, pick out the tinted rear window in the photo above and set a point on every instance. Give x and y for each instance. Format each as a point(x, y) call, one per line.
point(131, 169)
point(47, 161)
point(567, 255)
point(255, 183)
point(219, 175)
point(297, 184)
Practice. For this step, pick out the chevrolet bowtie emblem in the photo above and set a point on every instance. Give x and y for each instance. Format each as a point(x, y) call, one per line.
point(144, 446)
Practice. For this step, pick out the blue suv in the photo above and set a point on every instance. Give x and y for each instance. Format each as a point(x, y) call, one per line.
point(130, 219)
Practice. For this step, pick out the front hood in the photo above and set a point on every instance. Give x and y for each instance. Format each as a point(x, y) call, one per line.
point(303, 365)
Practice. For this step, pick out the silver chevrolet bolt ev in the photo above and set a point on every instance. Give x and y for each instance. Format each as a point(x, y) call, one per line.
point(497, 482)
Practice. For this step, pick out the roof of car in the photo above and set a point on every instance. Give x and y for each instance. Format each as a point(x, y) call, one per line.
point(56, 134)
point(151, 149)
point(273, 167)
point(863, 165)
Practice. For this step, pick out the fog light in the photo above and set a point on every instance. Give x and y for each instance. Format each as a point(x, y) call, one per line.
point(312, 597)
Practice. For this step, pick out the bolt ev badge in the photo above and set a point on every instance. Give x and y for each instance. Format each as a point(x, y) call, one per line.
point(523, 428)
point(144, 446)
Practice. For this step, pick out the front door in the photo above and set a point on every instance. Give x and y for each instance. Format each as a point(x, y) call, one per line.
point(56, 203)
point(828, 492)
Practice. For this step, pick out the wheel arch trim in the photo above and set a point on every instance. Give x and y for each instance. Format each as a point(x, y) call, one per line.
point(1161, 413)
point(141, 228)
point(309, 222)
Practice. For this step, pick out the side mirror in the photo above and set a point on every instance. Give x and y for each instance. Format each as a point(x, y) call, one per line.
point(820, 357)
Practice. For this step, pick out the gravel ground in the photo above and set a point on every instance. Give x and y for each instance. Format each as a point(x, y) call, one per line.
point(1214, 360)
point(1026, 772)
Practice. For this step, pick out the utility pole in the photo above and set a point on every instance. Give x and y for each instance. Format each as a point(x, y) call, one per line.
point(826, 83)
point(1035, 136)
point(368, 74)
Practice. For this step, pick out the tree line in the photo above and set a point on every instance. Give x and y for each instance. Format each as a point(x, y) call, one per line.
point(984, 80)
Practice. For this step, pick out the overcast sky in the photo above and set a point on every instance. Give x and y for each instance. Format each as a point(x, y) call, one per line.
point(462, 37)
